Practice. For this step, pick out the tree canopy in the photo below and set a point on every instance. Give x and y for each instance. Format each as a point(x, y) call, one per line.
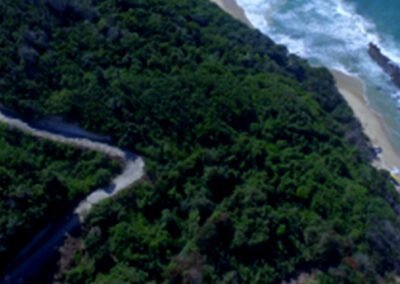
point(257, 170)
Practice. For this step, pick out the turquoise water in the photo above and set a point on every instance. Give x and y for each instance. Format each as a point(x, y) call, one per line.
point(384, 14)
point(336, 34)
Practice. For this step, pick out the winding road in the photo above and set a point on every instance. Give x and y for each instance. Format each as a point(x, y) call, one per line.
point(43, 248)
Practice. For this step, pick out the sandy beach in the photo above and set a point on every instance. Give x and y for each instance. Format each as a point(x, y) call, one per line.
point(232, 8)
point(352, 89)
point(373, 125)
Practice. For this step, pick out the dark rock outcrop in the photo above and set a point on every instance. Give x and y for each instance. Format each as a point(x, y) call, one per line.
point(391, 68)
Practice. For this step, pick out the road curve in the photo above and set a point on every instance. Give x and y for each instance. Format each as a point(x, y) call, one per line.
point(133, 165)
point(42, 252)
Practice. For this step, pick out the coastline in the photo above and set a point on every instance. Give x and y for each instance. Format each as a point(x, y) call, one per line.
point(232, 8)
point(353, 91)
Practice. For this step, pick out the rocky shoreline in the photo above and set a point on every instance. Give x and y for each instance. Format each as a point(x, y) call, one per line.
point(391, 68)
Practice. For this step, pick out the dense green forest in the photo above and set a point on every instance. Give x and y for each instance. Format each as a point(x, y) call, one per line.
point(40, 182)
point(257, 170)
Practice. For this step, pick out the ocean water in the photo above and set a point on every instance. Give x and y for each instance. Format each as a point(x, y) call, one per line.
point(336, 34)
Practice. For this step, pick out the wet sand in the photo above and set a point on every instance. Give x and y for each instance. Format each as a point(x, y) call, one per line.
point(352, 89)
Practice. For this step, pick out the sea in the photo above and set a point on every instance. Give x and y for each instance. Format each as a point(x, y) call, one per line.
point(336, 34)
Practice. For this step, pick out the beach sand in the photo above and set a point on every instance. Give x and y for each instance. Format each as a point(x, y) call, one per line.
point(352, 89)
point(373, 125)
point(232, 8)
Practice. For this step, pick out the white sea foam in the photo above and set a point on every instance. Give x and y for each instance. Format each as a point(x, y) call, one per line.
point(327, 32)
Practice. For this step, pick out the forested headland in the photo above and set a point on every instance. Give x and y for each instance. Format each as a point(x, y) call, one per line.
point(257, 170)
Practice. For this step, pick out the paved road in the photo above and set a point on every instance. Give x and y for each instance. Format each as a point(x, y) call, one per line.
point(43, 249)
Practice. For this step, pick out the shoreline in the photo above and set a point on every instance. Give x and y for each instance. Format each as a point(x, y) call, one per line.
point(232, 8)
point(353, 91)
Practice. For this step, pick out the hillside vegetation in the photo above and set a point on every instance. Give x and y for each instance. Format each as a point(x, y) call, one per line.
point(257, 170)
